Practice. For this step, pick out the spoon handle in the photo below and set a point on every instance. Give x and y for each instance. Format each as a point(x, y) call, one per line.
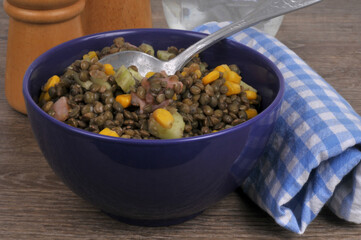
point(267, 10)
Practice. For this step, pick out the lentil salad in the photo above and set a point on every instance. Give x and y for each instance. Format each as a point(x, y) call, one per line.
point(122, 103)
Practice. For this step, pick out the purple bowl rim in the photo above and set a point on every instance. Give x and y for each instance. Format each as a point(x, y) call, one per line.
point(277, 100)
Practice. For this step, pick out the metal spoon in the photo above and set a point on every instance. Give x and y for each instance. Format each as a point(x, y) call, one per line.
point(147, 63)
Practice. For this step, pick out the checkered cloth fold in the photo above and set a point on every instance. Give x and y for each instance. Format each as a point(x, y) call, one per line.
point(313, 156)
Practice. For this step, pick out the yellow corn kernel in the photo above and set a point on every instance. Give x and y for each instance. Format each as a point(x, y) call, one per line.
point(214, 131)
point(51, 82)
point(124, 99)
point(232, 77)
point(92, 54)
point(210, 77)
point(163, 117)
point(251, 95)
point(251, 113)
point(198, 73)
point(108, 68)
point(222, 68)
point(174, 97)
point(226, 67)
point(44, 96)
point(108, 132)
point(233, 88)
point(184, 73)
point(149, 74)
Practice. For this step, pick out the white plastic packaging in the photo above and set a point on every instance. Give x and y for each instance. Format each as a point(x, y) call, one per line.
point(187, 14)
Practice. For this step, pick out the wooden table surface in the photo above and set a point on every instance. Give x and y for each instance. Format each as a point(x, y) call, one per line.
point(35, 204)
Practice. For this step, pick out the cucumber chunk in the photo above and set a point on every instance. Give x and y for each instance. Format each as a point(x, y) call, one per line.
point(165, 55)
point(85, 84)
point(135, 74)
point(124, 79)
point(147, 49)
point(100, 78)
point(245, 87)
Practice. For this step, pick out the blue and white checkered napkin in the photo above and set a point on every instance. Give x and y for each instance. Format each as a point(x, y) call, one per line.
point(313, 156)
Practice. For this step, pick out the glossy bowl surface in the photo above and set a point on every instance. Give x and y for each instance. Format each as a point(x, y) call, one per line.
point(154, 182)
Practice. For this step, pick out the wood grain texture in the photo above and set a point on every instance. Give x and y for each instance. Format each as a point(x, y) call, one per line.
point(35, 204)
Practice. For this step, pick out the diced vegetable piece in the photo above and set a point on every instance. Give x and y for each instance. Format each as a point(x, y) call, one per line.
point(108, 68)
point(176, 131)
point(233, 88)
point(149, 74)
point(101, 83)
point(61, 109)
point(210, 77)
point(232, 77)
point(147, 49)
point(222, 68)
point(90, 55)
point(165, 55)
point(108, 132)
point(135, 74)
point(251, 95)
point(124, 99)
point(124, 79)
point(198, 73)
point(44, 96)
point(202, 66)
point(100, 78)
point(246, 87)
point(251, 113)
point(51, 82)
point(85, 84)
point(163, 117)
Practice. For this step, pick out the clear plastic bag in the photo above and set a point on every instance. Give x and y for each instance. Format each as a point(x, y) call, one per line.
point(187, 14)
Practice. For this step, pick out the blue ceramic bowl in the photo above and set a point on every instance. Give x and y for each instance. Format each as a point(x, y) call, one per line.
point(154, 182)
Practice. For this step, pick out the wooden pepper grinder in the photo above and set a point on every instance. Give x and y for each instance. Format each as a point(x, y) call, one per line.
point(38, 25)
point(107, 15)
point(34, 27)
